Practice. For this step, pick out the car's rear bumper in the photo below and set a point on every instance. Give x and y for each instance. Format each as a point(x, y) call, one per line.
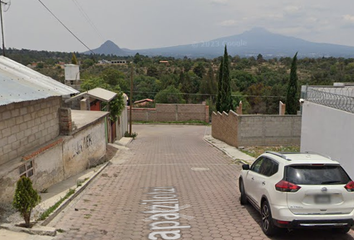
point(331, 223)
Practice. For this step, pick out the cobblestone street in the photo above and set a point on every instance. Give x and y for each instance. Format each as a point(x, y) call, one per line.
point(169, 172)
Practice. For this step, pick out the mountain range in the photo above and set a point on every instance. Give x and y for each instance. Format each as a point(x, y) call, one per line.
point(250, 43)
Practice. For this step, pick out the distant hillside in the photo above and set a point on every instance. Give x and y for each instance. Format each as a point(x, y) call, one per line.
point(249, 43)
point(107, 48)
point(253, 42)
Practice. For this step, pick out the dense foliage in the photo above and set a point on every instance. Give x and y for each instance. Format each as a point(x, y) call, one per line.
point(259, 82)
point(292, 103)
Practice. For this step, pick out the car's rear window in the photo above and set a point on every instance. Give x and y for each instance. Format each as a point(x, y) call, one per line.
point(316, 175)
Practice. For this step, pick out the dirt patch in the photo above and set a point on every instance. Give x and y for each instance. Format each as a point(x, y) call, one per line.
point(256, 151)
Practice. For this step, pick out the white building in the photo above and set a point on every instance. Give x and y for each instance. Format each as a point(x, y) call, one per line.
point(328, 123)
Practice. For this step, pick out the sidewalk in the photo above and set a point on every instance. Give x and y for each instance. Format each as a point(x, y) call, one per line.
point(54, 194)
point(230, 151)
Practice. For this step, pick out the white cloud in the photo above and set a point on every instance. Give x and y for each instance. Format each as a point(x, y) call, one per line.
point(348, 18)
point(292, 9)
point(228, 23)
point(220, 2)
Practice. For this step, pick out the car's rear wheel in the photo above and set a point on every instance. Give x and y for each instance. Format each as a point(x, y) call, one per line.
point(341, 230)
point(243, 197)
point(268, 226)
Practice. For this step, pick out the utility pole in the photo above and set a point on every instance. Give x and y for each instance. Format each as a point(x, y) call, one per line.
point(2, 30)
point(131, 101)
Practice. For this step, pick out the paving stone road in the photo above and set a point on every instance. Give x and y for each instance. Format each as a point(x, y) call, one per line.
point(168, 173)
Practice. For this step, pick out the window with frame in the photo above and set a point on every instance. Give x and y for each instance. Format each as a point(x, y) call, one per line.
point(26, 169)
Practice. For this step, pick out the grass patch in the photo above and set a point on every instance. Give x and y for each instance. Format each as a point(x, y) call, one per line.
point(55, 206)
point(256, 151)
point(133, 135)
point(191, 122)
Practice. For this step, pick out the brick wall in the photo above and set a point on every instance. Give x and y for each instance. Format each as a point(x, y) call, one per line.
point(172, 112)
point(26, 125)
point(257, 130)
point(225, 127)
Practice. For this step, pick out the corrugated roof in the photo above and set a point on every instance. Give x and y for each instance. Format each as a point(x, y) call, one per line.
point(102, 94)
point(19, 83)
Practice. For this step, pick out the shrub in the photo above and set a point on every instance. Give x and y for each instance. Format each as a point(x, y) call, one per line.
point(25, 199)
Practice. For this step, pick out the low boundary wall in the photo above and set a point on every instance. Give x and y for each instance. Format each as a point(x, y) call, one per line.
point(172, 112)
point(256, 130)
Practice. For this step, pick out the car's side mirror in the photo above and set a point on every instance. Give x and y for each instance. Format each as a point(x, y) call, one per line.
point(246, 167)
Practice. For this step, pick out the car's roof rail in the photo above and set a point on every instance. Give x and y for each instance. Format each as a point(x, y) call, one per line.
point(279, 155)
point(326, 156)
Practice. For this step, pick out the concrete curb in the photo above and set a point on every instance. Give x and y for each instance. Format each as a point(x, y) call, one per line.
point(77, 192)
point(35, 230)
point(223, 150)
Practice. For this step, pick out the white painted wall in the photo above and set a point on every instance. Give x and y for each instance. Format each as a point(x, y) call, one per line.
point(330, 132)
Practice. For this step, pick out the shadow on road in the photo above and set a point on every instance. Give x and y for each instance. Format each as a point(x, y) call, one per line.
point(303, 234)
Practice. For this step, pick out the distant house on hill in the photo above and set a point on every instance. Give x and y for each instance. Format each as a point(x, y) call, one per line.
point(118, 62)
point(143, 103)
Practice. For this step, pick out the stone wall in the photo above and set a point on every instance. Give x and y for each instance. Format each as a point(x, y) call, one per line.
point(172, 112)
point(26, 125)
point(256, 130)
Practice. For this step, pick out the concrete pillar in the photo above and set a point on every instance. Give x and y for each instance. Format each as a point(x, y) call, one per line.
point(282, 108)
point(65, 121)
point(239, 108)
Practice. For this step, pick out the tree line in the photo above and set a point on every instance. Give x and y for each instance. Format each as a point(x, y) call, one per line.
point(258, 82)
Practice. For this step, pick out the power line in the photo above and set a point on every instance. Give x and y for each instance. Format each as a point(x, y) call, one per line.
point(88, 19)
point(65, 26)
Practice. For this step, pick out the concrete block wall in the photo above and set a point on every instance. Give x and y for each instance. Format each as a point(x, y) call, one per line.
point(26, 125)
point(268, 130)
point(256, 130)
point(172, 112)
point(225, 127)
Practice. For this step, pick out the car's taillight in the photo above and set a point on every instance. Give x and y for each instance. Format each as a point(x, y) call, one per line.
point(284, 186)
point(350, 186)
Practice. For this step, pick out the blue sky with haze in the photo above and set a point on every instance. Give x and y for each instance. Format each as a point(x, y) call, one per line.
point(138, 24)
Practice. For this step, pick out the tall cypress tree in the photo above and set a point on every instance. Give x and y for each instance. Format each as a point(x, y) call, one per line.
point(224, 100)
point(219, 96)
point(292, 103)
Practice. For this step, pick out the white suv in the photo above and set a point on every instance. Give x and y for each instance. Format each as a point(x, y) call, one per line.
point(298, 190)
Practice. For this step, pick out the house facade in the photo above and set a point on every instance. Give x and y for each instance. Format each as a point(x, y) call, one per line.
point(39, 138)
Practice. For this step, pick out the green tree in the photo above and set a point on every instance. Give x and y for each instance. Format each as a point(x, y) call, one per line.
point(292, 103)
point(74, 59)
point(224, 100)
point(199, 70)
point(169, 95)
point(115, 77)
point(25, 199)
point(152, 72)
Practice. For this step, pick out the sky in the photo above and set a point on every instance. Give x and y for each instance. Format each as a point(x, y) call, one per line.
point(140, 24)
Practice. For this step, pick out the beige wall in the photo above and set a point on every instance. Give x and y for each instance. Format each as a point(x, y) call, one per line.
point(172, 112)
point(256, 130)
point(84, 149)
point(26, 125)
point(225, 127)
